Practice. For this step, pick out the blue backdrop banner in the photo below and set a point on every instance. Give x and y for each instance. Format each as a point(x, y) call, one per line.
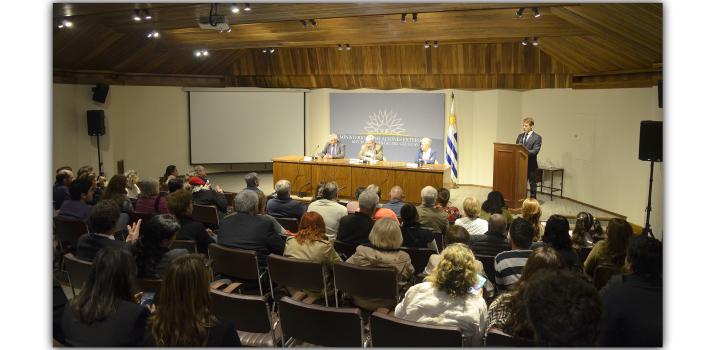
point(398, 120)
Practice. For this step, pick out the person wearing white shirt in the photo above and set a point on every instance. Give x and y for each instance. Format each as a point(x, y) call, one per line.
point(471, 222)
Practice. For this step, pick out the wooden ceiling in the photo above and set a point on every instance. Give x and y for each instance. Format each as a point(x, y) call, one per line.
point(581, 45)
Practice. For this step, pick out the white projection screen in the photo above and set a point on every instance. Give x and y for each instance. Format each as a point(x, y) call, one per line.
point(230, 126)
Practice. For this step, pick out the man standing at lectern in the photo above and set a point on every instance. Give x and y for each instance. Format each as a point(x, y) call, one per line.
point(532, 141)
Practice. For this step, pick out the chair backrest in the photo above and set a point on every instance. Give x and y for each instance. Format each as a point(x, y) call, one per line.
point(497, 338)
point(67, 232)
point(488, 263)
point(134, 217)
point(189, 244)
point(390, 331)
point(603, 273)
point(367, 282)
point(78, 270)
point(249, 313)
point(419, 257)
point(296, 273)
point(321, 325)
point(439, 239)
point(290, 224)
point(207, 214)
point(345, 250)
point(233, 262)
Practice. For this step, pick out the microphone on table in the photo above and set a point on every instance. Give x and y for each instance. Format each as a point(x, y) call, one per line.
point(314, 154)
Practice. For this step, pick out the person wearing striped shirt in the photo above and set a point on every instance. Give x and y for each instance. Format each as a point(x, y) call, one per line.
point(509, 265)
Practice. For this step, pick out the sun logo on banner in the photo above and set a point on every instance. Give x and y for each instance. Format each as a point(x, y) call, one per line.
point(385, 123)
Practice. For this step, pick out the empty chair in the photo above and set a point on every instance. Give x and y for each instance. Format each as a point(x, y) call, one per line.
point(603, 273)
point(488, 263)
point(366, 282)
point(296, 273)
point(189, 245)
point(207, 214)
point(236, 264)
point(77, 271)
point(256, 325)
point(320, 325)
point(390, 331)
point(419, 257)
point(67, 232)
point(345, 250)
point(290, 224)
point(497, 338)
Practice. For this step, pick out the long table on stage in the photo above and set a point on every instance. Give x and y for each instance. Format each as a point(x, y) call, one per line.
point(306, 175)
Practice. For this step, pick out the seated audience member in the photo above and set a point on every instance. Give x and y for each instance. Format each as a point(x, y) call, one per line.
point(471, 221)
point(581, 233)
point(283, 206)
point(443, 203)
point(354, 206)
point(509, 264)
point(507, 311)
point(131, 187)
point(612, 250)
point(178, 184)
point(494, 241)
point(371, 150)
point(245, 229)
point(171, 172)
point(564, 309)
point(557, 235)
point(180, 204)
point(103, 219)
point(262, 204)
point(430, 216)
point(414, 235)
point(383, 251)
point(333, 149)
point(396, 200)
point(531, 212)
point(495, 204)
point(115, 191)
point(77, 208)
point(633, 303)
point(253, 182)
point(100, 185)
point(425, 154)
point(381, 212)
point(85, 170)
point(355, 228)
point(311, 243)
point(59, 303)
point(149, 200)
point(449, 296)
point(184, 318)
point(154, 254)
point(61, 188)
point(105, 313)
point(204, 195)
point(329, 208)
point(199, 171)
point(64, 167)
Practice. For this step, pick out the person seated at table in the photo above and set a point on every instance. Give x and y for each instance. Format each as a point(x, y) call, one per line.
point(371, 149)
point(333, 148)
point(426, 154)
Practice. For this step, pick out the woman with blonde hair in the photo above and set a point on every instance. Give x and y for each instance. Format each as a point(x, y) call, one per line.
point(183, 317)
point(471, 221)
point(383, 251)
point(531, 212)
point(132, 179)
point(451, 296)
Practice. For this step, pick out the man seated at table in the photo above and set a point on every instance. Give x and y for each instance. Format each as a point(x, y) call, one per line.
point(333, 148)
point(371, 150)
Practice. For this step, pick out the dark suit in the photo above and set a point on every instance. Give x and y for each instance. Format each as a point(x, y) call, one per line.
point(431, 160)
point(251, 232)
point(125, 327)
point(532, 143)
point(210, 197)
point(90, 244)
point(355, 228)
point(339, 150)
point(489, 244)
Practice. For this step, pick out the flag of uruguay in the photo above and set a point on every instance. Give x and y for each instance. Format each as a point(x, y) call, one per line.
point(451, 148)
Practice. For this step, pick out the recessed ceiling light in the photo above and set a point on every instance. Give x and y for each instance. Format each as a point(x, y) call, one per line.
point(147, 15)
point(235, 8)
point(67, 23)
point(536, 11)
point(524, 41)
point(136, 16)
point(247, 7)
point(427, 44)
point(536, 41)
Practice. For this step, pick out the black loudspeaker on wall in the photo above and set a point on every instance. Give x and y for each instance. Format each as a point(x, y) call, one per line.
point(651, 141)
point(100, 92)
point(96, 122)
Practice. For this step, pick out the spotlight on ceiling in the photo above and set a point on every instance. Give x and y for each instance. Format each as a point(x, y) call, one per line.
point(415, 17)
point(402, 18)
point(147, 15)
point(313, 23)
point(427, 44)
point(347, 47)
point(247, 7)
point(201, 53)
point(154, 34)
point(136, 16)
point(536, 41)
point(272, 50)
point(264, 50)
point(65, 24)
point(536, 12)
point(304, 24)
point(340, 47)
point(519, 12)
point(234, 8)
point(435, 44)
point(524, 42)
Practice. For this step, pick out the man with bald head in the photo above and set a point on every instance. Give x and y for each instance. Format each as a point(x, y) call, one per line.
point(494, 240)
point(396, 200)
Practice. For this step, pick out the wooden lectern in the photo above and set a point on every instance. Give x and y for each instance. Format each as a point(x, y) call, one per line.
point(510, 167)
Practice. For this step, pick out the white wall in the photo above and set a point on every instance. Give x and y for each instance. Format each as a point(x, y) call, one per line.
point(593, 134)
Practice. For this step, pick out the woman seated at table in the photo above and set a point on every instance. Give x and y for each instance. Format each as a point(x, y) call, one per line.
point(426, 154)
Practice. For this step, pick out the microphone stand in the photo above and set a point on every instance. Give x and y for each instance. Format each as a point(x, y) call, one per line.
point(647, 230)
